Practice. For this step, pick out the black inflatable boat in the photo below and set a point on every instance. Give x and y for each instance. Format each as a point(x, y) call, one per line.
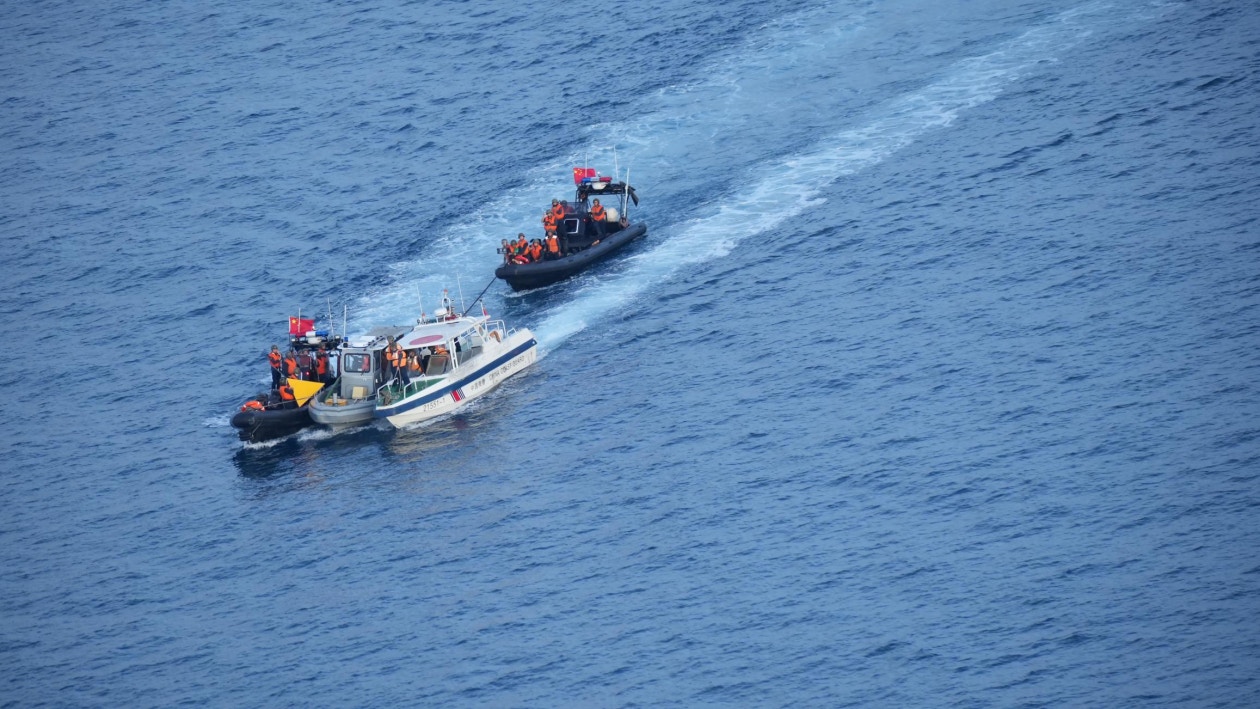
point(274, 421)
point(583, 239)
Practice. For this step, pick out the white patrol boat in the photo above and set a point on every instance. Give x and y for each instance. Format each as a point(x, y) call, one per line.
point(451, 359)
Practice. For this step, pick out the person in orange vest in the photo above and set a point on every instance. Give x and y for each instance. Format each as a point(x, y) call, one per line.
point(557, 209)
point(321, 364)
point(505, 248)
point(254, 404)
point(549, 222)
point(290, 364)
point(553, 247)
point(598, 215)
point(286, 393)
point(535, 251)
point(275, 359)
point(397, 358)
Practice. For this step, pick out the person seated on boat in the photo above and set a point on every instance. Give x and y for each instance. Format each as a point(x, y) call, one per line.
point(443, 356)
point(524, 255)
point(286, 394)
point(553, 248)
point(276, 359)
point(417, 364)
point(397, 358)
point(258, 403)
point(505, 248)
point(535, 251)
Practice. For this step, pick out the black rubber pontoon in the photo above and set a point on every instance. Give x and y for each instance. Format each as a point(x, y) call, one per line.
point(583, 241)
point(255, 426)
point(535, 275)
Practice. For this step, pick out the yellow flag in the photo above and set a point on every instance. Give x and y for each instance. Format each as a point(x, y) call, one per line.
point(303, 390)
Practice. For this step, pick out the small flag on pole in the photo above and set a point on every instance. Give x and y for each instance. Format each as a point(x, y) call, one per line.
point(300, 326)
point(581, 173)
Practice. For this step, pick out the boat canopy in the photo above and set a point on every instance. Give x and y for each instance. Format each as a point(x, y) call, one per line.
point(435, 333)
point(598, 189)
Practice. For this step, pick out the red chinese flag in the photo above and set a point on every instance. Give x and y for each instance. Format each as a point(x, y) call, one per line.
point(581, 173)
point(299, 326)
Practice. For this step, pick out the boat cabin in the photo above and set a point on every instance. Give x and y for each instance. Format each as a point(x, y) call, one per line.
point(578, 231)
point(361, 370)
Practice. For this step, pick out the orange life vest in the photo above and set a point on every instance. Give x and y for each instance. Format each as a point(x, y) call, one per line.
point(535, 251)
point(519, 247)
point(396, 356)
point(321, 363)
point(252, 405)
point(598, 213)
point(274, 358)
point(553, 245)
point(558, 210)
point(290, 366)
point(286, 392)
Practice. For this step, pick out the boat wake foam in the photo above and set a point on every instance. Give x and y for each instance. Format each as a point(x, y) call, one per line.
point(786, 188)
point(680, 122)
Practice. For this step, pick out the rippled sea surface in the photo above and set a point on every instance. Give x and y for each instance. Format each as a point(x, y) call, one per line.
point(936, 381)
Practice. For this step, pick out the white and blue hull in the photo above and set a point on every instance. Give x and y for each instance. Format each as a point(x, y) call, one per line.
point(470, 380)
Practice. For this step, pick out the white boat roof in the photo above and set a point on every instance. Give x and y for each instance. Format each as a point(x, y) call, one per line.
point(375, 338)
point(435, 333)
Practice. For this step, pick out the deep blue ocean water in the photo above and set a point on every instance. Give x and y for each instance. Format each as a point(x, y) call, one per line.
point(935, 383)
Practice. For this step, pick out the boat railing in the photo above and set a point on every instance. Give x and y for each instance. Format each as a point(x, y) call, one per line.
point(393, 391)
point(493, 326)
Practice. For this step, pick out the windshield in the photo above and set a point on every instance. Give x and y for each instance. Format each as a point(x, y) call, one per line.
point(356, 363)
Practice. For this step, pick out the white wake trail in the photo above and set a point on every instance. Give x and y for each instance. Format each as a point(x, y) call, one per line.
point(784, 189)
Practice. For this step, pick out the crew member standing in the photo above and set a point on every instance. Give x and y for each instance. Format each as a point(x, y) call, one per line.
point(306, 366)
point(598, 215)
point(321, 365)
point(275, 359)
point(397, 358)
point(290, 364)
